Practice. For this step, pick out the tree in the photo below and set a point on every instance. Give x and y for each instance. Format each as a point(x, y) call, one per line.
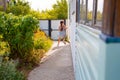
point(89, 17)
point(18, 7)
point(61, 9)
point(99, 15)
point(36, 14)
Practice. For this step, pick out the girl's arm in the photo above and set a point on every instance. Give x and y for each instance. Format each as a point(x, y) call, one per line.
point(59, 28)
point(66, 27)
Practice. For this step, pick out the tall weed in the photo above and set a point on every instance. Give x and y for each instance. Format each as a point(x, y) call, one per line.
point(8, 71)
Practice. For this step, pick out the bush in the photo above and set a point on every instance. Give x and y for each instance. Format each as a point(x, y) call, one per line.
point(4, 49)
point(8, 71)
point(36, 57)
point(41, 41)
point(24, 41)
point(41, 44)
point(18, 33)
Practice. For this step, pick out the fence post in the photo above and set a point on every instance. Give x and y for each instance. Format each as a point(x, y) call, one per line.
point(65, 21)
point(49, 28)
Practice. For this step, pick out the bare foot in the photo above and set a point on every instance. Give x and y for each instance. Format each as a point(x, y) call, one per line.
point(64, 42)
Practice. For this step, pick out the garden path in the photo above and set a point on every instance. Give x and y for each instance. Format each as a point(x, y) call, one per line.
point(57, 65)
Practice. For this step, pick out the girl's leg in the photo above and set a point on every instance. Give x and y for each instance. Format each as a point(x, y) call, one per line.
point(64, 40)
point(58, 41)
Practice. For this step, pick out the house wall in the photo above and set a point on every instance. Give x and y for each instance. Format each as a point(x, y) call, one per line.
point(72, 27)
point(93, 57)
point(88, 56)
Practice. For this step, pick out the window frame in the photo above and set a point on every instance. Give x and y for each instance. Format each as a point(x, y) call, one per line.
point(94, 14)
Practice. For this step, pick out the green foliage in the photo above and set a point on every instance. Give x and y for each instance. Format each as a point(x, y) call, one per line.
point(36, 14)
point(89, 13)
point(24, 41)
point(22, 7)
point(1, 8)
point(18, 7)
point(18, 32)
point(41, 44)
point(41, 41)
point(8, 71)
point(59, 11)
point(83, 11)
point(99, 15)
point(36, 57)
point(4, 48)
point(48, 14)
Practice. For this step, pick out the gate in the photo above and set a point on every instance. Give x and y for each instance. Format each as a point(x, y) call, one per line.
point(50, 27)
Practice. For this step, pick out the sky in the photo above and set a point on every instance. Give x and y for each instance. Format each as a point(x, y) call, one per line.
point(100, 5)
point(41, 4)
point(47, 4)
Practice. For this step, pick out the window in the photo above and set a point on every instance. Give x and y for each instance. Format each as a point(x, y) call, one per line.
point(83, 11)
point(99, 13)
point(91, 12)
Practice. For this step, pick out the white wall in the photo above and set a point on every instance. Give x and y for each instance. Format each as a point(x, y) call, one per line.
point(72, 24)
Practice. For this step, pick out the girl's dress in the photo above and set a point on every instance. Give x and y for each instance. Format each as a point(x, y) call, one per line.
point(62, 33)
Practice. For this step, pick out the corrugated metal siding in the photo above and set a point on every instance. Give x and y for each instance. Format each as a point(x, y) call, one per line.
point(87, 53)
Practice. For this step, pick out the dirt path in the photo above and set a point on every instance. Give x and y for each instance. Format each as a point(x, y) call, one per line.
point(56, 66)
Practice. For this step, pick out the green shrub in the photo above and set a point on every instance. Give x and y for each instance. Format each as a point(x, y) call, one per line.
point(8, 71)
point(4, 48)
point(18, 33)
point(41, 44)
point(24, 41)
point(41, 41)
point(37, 55)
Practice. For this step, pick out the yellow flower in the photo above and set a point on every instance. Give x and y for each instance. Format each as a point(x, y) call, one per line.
point(6, 58)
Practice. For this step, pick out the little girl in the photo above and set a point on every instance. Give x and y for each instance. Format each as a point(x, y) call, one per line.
point(62, 32)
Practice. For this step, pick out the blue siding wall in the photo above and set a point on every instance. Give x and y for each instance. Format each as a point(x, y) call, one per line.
point(95, 59)
point(87, 51)
point(112, 61)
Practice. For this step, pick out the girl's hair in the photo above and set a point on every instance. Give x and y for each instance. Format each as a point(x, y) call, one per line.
point(61, 26)
point(61, 22)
